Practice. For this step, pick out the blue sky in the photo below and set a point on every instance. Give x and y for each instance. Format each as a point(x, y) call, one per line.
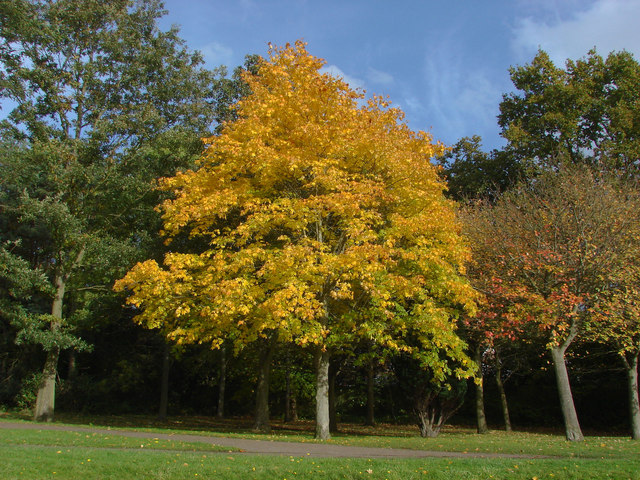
point(444, 63)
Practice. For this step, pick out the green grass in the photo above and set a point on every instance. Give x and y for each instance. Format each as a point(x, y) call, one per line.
point(20, 462)
point(46, 454)
point(453, 439)
point(46, 438)
point(513, 443)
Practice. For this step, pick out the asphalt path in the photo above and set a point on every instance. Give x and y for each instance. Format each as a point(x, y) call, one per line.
point(268, 447)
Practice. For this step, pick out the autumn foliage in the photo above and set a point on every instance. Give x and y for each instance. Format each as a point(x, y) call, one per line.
point(325, 221)
point(545, 254)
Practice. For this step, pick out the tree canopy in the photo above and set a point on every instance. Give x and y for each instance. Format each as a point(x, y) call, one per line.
point(545, 252)
point(472, 173)
point(103, 103)
point(584, 113)
point(325, 220)
point(277, 212)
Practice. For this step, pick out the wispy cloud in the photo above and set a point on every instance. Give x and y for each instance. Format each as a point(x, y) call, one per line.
point(334, 71)
point(216, 54)
point(459, 100)
point(411, 103)
point(379, 77)
point(607, 25)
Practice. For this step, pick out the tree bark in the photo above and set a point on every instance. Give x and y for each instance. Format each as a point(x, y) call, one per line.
point(333, 418)
point(370, 421)
point(164, 382)
point(322, 395)
point(294, 408)
point(433, 411)
point(503, 395)
point(45, 400)
point(571, 423)
point(262, 423)
point(634, 401)
point(222, 381)
point(481, 418)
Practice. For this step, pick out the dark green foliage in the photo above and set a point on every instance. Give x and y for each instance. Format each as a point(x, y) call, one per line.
point(98, 103)
point(429, 402)
point(103, 104)
point(473, 174)
point(229, 90)
point(587, 112)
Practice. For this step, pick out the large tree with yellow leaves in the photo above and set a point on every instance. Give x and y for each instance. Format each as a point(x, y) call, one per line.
point(325, 221)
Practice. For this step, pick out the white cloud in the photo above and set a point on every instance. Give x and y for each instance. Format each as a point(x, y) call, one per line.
point(380, 77)
point(607, 25)
point(216, 54)
point(477, 96)
point(334, 71)
point(412, 104)
point(459, 100)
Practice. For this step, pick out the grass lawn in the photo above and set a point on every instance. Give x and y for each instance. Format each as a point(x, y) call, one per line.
point(453, 439)
point(40, 454)
point(54, 438)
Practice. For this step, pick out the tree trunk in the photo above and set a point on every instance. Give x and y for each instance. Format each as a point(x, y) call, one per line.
point(45, 400)
point(322, 395)
point(481, 418)
point(294, 408)
point(433, 411)
point(262, 391)
point(634, 402)
point(164, 382)
point(222, 381)
point(571, 424)
point(333, 418)
point(503, 395)
point(370, 421)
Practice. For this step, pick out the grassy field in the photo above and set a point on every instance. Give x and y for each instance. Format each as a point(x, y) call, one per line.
point(40, 454)
point(53, 438)
point(453, 439)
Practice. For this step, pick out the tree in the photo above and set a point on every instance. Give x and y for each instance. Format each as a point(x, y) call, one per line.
point(481, 418)
point(325, 220)
point(586, 113)
point(492, 327)
point(431, 401)
point(435, 404)
point(105, 103)
point(18, 284)
point(472, 173)
point(229, 90)
point(499, 338)
point(550, 246)
point(499, 368)
point(618, 325)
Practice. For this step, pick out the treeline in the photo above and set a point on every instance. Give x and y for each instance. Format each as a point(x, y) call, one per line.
point(555, 234)
point(307, 258)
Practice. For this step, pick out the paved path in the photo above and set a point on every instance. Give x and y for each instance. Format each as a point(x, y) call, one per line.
point(264, 447)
